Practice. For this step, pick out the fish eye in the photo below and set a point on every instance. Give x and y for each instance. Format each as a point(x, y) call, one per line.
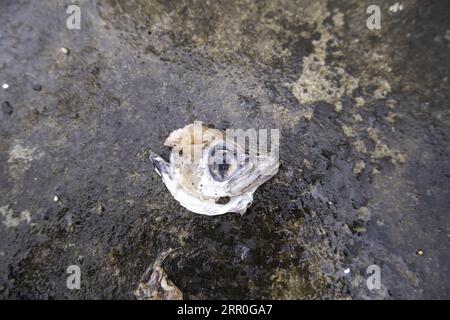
point(223, 162)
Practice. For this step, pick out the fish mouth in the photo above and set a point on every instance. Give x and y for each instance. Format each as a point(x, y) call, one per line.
point(159, 164)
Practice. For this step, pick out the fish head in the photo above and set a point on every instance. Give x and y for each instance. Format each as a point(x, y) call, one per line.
point(210, 174)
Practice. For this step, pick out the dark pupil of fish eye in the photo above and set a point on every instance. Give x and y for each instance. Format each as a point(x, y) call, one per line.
point(220, 169)
point(223, 169)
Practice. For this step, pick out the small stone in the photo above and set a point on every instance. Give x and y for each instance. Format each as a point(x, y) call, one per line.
point(64, 50)
point(420, 252)
point(55, 198)
point(347, 272)
point(363, 213)
point(100, 209)
point(446, 36)
point(5, 86)
point(7, 107)
point(41, 109)
point(114, 255)
point(70, 227)
point(37, 87)
point(242, 252)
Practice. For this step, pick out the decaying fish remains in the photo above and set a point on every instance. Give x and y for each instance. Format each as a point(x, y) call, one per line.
point(156, 285)
point(213, 173)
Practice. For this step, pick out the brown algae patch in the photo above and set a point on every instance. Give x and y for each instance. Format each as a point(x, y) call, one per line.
point(320, 81)
point(358, 167)
point(11, 220)
point(290, 284)
point(382, 151)
point(224, 30)
point(20, 158)
point(383, 88)
point(282, 115)
point(348, 131)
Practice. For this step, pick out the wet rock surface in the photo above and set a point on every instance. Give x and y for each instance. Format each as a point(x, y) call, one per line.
point(365, 128)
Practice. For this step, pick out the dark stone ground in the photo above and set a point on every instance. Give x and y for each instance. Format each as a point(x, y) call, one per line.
point(365, 129)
